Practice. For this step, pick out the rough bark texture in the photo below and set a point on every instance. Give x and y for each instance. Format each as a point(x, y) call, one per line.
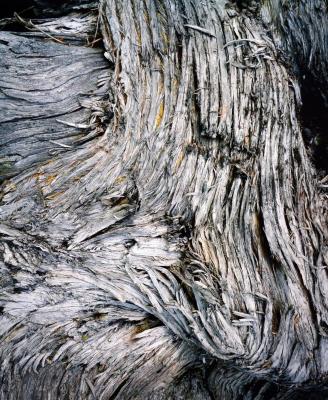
point(163, 228)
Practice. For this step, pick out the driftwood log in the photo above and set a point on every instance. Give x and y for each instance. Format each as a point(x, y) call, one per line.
point(163, 200)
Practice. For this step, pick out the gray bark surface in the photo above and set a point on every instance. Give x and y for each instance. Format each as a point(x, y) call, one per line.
point(163, 229)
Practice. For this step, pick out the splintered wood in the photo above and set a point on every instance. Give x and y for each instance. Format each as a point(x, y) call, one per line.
point(159, 211)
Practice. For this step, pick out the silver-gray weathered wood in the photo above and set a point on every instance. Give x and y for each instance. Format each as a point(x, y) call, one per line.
point(163, 229)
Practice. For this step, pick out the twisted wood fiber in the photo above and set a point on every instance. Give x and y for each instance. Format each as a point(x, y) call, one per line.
point(176, 222)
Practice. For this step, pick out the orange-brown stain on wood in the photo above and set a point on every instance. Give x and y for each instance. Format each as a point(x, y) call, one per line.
point(159, 115)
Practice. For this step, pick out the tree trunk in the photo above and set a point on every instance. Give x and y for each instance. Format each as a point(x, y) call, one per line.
point(163, 220)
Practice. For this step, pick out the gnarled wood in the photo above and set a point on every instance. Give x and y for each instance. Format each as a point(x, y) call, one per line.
point(177, 223)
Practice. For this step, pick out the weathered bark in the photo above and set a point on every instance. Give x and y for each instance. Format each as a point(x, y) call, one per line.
point(163, 230)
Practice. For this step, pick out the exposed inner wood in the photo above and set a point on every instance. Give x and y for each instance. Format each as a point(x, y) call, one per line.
point(160, 213)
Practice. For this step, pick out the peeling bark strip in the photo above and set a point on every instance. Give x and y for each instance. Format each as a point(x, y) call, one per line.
point(160, 212)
